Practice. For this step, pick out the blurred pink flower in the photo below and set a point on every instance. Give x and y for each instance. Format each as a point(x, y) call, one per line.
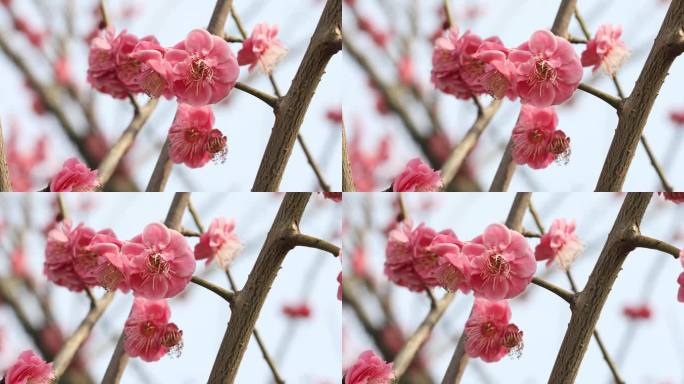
point(102, 70)
point(680, 279)
point(359, 262)
point(406, 71)
point(148, 333)
point(677, 117)
point(364, 163)
point(536, 141)
point(369, 369)
point(203, 68)
point(334, 115)
point(220, 241)
point(399, 258)
point(334, 196)
point(161, 262)
point(417, 177)
point(74, 177)
point(297, 311)
point(62, 70)
point(18, 263)
point(339, 287)
point(59, 266)
point(502, 263)
point(675, 197)
point(84, 258)
point(23, 159)
point(153, 75)
point(637, 312)
point(191, 136)
point(262, 48)
point(548, 70)
point(112, 267)
point(606, 50)
point(29, 369)
point(424, 240)
point(559, 243)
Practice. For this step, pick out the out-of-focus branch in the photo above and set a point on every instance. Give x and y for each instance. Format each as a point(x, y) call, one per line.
point(325, 42)
point(5, 181)
point(591, 300)
point(249, 301)
point(76, 340)
point(117, 152)
point(347, 177)
point(637, 107)
point(411, 347)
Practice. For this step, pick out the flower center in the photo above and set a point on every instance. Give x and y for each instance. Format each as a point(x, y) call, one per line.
point(513, 339)
point(147, 329)
point(192, 135)
point(497, 265)
point(200, 71)
point(560, 146)
point(216, 145)
point(544, 71)
point(156, 264)
point(488, 329)
point(535, 136)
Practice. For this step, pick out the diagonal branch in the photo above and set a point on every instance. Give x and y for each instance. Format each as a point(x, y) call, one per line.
point(591, 300)
point(249, 301)
point(641, 241)
point(347, 178)
point(224, 294)
point(5, 181)
point(302, 240)
point(325, 42)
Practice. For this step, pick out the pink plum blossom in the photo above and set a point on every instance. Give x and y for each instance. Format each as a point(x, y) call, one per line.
point(102, 71)
point(488, 333)
point(220, 241)
point(453, 267)
point(399, 258)
point(297, 311)
point(59, 265)
point(203, 68)
point(536, 141)
point(85, 259)
point(161, 262)
point(606, 50)
point(454, 71)
point(128, 66)
point(112, 267)
point(548, 70)
point(369, 369)
point(153, 75)
point(559, 243)
point(148, 333)
point(417, 177)
point(637, 312)
point(262, 48)
point(74, 177)
point(29, 369)
point(193, 140)
point(424, 240)
point(502, 263)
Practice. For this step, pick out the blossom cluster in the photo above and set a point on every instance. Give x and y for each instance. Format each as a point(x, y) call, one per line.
point(155, 265)
point(496, 266)
point(198, 71)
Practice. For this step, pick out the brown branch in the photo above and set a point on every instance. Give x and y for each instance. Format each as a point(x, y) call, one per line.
point(119, 359)
point(641, 241)
point(599, 341)
point(638, 105)
point(558, 291)
point(656, 165)
point(224, 294)
point(590, 301)
point(123, 144)
point(312, 163)
point(219, 17)
point(249, 301)
point(325, 42)
point(5, 180)
point(411, 347)
point(610, 99)
point(75, 341)
point(347, 178)
point(507, 166)
point(299, 239)
point(260, 342)
point(271, 100)
point(459, 360)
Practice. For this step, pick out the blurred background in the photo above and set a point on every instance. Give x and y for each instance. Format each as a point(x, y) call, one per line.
point(305, 349)
point(395, 37)
point(50, 36)
point(647, 348)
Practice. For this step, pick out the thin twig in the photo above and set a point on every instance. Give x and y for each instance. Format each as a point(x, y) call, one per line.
point(303, 240)
point(642, 241)
point(560, 292)
point(5, 180)
point(224, 294)
point(271, 100)
point(610, 99)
